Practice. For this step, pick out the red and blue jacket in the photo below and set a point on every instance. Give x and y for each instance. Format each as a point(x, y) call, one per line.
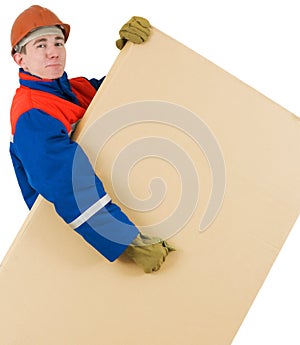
point(43, 114)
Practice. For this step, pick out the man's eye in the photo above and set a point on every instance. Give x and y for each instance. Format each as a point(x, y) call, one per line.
point(59, 44)
point(41, 46)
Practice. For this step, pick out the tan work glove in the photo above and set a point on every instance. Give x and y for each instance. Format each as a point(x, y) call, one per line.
point(136, 30)
point(148, 253)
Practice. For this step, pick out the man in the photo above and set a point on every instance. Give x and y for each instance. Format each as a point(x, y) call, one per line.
point(44, 111)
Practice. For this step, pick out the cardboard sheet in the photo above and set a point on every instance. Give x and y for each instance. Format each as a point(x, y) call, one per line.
point(190, 153)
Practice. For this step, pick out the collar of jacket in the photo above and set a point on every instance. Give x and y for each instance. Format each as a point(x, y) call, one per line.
point(59, 87)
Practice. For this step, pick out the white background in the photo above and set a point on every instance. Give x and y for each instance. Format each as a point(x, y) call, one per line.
point(257, 41)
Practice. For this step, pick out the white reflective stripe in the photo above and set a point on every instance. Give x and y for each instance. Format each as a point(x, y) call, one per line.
point(11, 138)
point(87, 214)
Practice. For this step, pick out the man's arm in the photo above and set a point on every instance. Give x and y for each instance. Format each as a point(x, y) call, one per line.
point(60, 171)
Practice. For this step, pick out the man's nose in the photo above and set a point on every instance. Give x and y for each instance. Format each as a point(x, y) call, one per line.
point(52, 51)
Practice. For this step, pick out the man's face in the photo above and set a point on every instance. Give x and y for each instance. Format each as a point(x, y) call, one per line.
point(45, 57)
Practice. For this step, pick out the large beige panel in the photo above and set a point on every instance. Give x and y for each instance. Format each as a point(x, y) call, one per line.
point(55, 289)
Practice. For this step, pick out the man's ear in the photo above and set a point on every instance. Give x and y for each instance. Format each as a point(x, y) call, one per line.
point(18, 58)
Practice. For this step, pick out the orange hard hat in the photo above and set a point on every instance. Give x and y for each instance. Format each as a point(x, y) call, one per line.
point(32, 18)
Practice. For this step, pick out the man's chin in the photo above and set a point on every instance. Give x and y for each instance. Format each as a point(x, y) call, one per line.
point(53, 73)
